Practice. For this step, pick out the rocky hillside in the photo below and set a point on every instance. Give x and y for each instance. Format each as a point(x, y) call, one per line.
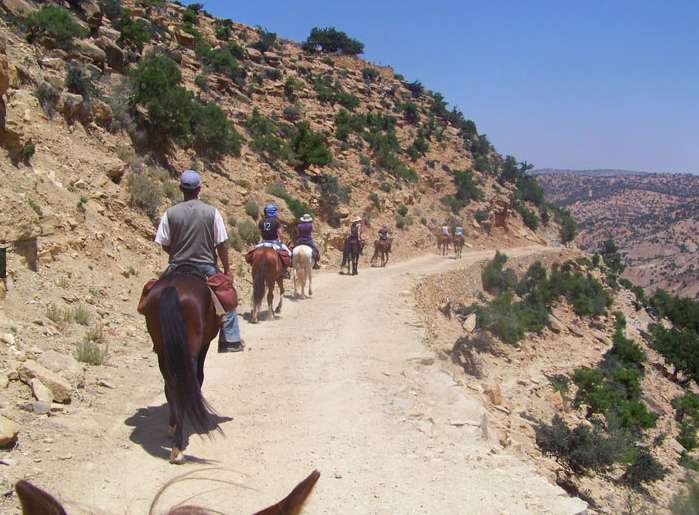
point(653, 218)
point(102, 104)
point(578, 377)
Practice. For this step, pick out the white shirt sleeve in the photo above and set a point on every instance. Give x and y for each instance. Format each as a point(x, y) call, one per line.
point(220, 234)
point(162, 237)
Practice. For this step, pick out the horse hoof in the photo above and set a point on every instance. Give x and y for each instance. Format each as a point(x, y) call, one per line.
point(176, 456)
point(171, 430)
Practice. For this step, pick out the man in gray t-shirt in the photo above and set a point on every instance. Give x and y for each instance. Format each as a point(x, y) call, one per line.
point(193, 232)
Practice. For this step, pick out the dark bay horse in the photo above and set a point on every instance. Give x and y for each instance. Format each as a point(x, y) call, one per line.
point(267, 271)
point(458, 241)
point(382, 249)
point(443, 242)
point(181, 321)
point(36, 501)
point(354, 249)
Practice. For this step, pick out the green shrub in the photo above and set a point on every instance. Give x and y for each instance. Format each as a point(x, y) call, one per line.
point(248, 231)
point(329, 40)
point(418, 148)
point(27, 152)
point(416, 88)
point(252, 209)
point(626, 351)
point(612, 257)
point(81, 314)
point(632, 415)
point(347, 100)
point(385, 187)
point(528, 190)
point(80, 82)
point(266, 40)
point(510, 320)
point(111, 9)
point(680, 347)
point(291, 86)
point(202, 82)
point(91, 353)
point(265, 138)
point(682, 312)
point(569, 228)
point(466, 190)
point(48, 97)
point(235, 240)
point(370, 74)
point(134, 33)
point(309, 147)
point(401, 222)
point(375, 200)
point(528, 217)
point(55, 22)
point(481, 215)
point(581, 448)
point(220, 60)
point(292, 113)
point(644, 469)
point(144, 194)
point(332, 194)
point(190, 16)
point(494, 279)
point(222, 29)
point(402, 210)
point(411, 113)
point(212, 132)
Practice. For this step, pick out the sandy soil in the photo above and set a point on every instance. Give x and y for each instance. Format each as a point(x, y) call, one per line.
point(342, 383)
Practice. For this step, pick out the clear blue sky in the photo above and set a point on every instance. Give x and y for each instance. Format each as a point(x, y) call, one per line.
point(597, 84)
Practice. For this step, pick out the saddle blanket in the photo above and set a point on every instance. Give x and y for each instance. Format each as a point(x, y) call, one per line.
point(223, 294)
point(282, 251)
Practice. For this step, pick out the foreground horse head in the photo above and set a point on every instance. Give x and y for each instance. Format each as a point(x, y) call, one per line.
point(303, 269)
point(181, 321)
point(267, 271)
point(35, 501)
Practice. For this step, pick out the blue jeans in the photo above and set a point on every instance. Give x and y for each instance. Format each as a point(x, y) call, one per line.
point(230, 332)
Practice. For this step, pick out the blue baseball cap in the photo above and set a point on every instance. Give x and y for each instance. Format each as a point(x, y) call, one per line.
point(190, 180)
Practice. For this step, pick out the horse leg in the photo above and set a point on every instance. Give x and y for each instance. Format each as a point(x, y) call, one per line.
point(270, 301)
point(310, 283)
point(280, 282)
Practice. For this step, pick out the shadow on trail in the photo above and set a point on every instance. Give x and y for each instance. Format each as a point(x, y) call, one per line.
point(150, 432)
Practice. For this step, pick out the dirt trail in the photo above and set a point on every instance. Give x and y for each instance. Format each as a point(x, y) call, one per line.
point(341, 383)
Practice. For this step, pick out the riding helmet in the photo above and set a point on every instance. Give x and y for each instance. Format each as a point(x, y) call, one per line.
point(270, 210)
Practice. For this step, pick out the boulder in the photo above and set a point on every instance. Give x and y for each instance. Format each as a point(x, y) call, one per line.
point(40, 391)
point(4, 75)
point(470, 323)
point(272, 59)
point(65, 365)
point(93, 13)
point(19, 8)
point(116, 58)
point(59, 387)
point(493, 393)
point(101, 112)
point(554, 324)
point(254, 54)
point(8, 432)
point(70, 105)
point(82, 47)
point(185, 39)
point(109, 33)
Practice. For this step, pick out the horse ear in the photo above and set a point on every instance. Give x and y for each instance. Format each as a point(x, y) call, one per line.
point(292, 504)
point(35, 501)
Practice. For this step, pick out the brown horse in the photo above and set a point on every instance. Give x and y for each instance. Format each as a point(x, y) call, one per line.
point(382, 249)
point(458, 241)
point(354, 249)
point(443, 242)
point(36, 501)
point(181, 321)
point(267, 271)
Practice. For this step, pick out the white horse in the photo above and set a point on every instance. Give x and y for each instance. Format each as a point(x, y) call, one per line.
point(302, 260)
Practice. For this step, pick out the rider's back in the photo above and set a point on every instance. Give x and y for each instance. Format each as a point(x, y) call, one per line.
point(191, 226)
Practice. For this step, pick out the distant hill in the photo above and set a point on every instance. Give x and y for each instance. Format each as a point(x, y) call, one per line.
point(602, 172)
point(654, 218)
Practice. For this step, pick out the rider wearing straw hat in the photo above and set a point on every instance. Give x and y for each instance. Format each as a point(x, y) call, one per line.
point(305, 237)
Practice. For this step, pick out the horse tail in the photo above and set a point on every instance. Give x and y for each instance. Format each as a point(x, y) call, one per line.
point(258, 281)
point(292, 503)
point(179, 366)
